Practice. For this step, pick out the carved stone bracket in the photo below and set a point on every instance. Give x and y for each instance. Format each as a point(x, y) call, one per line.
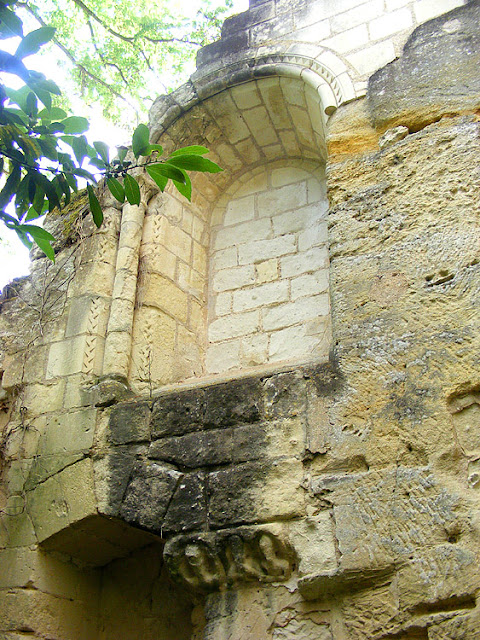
point(217, 560)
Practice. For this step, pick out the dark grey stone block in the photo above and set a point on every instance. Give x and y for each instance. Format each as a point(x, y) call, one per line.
point(187, 510)
point(129, 422)
point(178, 413)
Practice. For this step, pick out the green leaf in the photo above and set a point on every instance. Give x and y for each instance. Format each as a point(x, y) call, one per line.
point(116, 189)
point(32, 42)
point(195, 163)
point(72, 181)
point(193, 150)
point(48, 147)
point(95, 207)
point(10, 186)
point(140, 139)
point(132, 190)
point(32, 107)
point(11, 21)
point(97, 162)
point(75, 124)
point(121, 153)
point(83, 173)
point(160, 179)
point(185, 189)
point(80, 148)
point(37, 232)
point(102, 149)
point(163, 169)
point(55, 113)
point(41, 237)
point(155, 147)
point(32, 214)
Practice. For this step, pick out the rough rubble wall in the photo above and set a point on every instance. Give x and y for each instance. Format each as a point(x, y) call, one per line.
point(336, 501)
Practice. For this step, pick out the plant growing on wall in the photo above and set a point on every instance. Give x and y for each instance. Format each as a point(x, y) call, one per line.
point(44, 152)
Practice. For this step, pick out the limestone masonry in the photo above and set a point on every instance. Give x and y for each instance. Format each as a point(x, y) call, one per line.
point(256, 416)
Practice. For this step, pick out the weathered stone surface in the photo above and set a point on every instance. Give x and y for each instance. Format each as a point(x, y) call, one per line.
point(213, 561)
point(436, 75)
point(233, 403)
point(188, 508)
point(178, 413)
point(130, 422)
point(148, 495)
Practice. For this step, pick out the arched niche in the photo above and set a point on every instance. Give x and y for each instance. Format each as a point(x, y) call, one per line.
point(268, 134)
point(268, 298)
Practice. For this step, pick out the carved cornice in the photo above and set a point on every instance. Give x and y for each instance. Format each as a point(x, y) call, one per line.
point(217, 560)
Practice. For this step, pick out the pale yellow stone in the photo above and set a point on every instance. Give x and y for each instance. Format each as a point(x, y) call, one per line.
point(267, 271)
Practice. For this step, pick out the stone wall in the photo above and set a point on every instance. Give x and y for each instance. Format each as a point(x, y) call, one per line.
point(154, 486)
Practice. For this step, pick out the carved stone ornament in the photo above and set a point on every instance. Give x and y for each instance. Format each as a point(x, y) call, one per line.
point(215, 561)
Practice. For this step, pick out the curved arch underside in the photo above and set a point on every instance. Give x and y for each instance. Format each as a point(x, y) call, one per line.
point(198, 313)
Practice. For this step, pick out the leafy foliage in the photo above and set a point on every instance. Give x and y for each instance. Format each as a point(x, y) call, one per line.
point(44, 152)
point(119, 51)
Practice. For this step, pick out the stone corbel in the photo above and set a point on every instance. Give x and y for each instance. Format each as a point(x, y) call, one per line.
point(218, 560)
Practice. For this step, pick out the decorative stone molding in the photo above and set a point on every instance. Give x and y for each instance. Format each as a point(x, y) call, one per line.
point(215, 561)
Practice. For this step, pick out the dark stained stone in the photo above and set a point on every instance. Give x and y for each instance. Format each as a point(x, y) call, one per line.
point(235, 402)
point(201, 449)
point(285, 395)
point(148, 495)
point(178, 413)
point(129, 422)
point(229, 498)
point(188, 507)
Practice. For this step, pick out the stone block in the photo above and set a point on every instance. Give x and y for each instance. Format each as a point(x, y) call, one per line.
point(225, 258)
point(307, 262)
point(285, 395)
point(239, 210)
point(291, 313)
point(69, 432)
point(239, 324)
point(158, 482)
point(255, 492)
point(256, 250)
point(390, 23)
point(178, 413)
point(314, 236)
point(348, 40)
point(223, 304)
point(254, 350)
point(246, 96)
point(309, 284)
point(288, 175)
point(259, 296)
point(188, 507)
point(267, 271)
point(210, 448)
point(235, 402)
point(296, 341)
point(437, 73)
point(297, 220)
point(62, 500)
point(234, 278)
point(223, 356)
point(284, 198)
point(428, 9)
point(129, 422)
point(245, 232)
point(159, 292)
point(369, 59)
point(356, 16)
point(313, 539)
point(66, 358)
